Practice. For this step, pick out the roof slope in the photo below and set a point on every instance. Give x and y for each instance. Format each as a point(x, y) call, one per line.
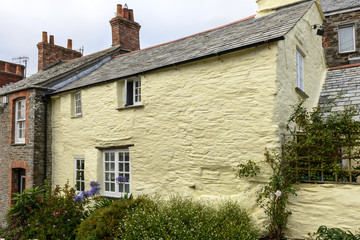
point(343, 84)
point(228, 38)
point(336, 5)
point(57, 71)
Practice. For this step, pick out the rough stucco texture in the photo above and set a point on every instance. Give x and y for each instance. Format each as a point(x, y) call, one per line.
point(198, 122)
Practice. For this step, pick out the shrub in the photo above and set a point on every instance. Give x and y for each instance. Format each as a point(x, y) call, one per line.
point(26, 205)
point(104, 222)
point(324, 233)
point(58, 216)
point(181, 218)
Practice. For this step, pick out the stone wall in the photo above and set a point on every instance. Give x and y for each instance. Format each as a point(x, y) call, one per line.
point(28, 156)
point(331, 40)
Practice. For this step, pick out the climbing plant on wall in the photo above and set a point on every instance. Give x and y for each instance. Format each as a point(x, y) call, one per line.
point(321, 147)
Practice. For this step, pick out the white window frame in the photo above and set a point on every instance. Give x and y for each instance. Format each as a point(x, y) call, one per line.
point(20, 121)
point(353, 38)
point(110, 187)
point(300, 71)
point(22, 183)
point(77, 104)
point(136, 92)
point(79, 170)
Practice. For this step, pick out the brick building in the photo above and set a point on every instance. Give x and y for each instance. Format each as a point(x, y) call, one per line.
point(25, 112)
point(10, 72)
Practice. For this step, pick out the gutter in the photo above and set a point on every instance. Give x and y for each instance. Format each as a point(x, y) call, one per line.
point(217, 54)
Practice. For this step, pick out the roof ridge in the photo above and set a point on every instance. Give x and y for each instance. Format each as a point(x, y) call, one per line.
point(192, 35)
point(91, 54)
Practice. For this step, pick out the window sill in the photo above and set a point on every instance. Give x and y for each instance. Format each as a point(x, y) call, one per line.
point(80, 116)
point(301, 93)
point(131, 106)
point(17, 144)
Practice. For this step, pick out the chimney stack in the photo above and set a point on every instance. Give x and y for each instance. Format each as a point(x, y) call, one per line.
point(51, 53)
point(125, 31)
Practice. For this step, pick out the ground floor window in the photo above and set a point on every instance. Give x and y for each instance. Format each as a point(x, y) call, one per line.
point(116, 173)
point(18, 179)
point(79, 174)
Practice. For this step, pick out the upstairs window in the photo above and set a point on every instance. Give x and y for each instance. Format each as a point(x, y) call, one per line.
point(77, 101)
point(79, 174)
point(20, 113)
point(299, 71)
point(132, 92)
point(346, 39)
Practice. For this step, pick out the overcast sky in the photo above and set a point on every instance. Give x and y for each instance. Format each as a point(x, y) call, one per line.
point(86, 22)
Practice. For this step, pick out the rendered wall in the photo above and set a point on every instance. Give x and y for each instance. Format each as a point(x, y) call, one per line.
point(198, 122)
point(316, 204)
point(269, 6)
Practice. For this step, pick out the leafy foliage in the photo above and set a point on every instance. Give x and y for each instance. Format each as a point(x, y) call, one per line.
point(323, 134)
point(324, 233)
point(180, 218)
point(105, 220)
point(27, 204)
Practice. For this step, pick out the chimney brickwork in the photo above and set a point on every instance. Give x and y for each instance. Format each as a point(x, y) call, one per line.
point(10, 72)
point(125, 31)
point(50, 53)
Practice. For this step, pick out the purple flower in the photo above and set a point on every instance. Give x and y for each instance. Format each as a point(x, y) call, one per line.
point(54, 226)
point(69, 220)
point(37, 224)
point(28, 224)
point(63, 235)
point(121, 179)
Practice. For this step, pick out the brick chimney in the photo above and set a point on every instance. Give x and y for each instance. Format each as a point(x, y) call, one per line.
point(50, 53)
point(125, 31)
point(10, 72)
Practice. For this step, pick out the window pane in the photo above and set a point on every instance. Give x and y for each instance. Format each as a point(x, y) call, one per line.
point(107, 188)
point(127, 156)
point(121, 167)
point(127, 188)
point(112, 157)
point(121, 187)
point(112, 168)
point(113, 187)
point(127, 167)
point(106, 166)
point(82, 186)
point(112, 177)
point(346, 39)
point(107, 178)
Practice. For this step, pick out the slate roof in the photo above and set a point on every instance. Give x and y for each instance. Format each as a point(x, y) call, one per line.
point(58, 71)
point(336, 5)
point(343, 84)
point(232, 37)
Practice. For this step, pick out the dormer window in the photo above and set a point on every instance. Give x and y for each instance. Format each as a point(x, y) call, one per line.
point(346, 39)
point(132, 93)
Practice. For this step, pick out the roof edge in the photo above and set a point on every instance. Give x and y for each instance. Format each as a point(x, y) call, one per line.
point(345, 66)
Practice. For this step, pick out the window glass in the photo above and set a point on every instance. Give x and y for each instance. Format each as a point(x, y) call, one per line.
point(346, 39)
point(299, 70)
point(116, 173)
point(79, 174)
point(78, 109)
point(20, 112)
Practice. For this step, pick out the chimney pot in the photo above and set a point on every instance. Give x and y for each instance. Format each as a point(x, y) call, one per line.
point(125, 12)
point(119, 11)
point(69, 44)
point(131, 15)
point(52, 39)
point(44, 37)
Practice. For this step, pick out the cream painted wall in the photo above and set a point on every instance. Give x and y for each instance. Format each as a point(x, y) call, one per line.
point(269, 6)
point(198, 122)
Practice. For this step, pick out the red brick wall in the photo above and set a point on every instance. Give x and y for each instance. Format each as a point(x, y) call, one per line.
point(12, 98)
point(50, 53)
point(10, 72)
point(13, 188)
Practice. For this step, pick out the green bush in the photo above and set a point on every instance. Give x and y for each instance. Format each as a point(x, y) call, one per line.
point(324, 233)
point(181, 218)
point(58, 217)
point(27, 204)
point(104, 222)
